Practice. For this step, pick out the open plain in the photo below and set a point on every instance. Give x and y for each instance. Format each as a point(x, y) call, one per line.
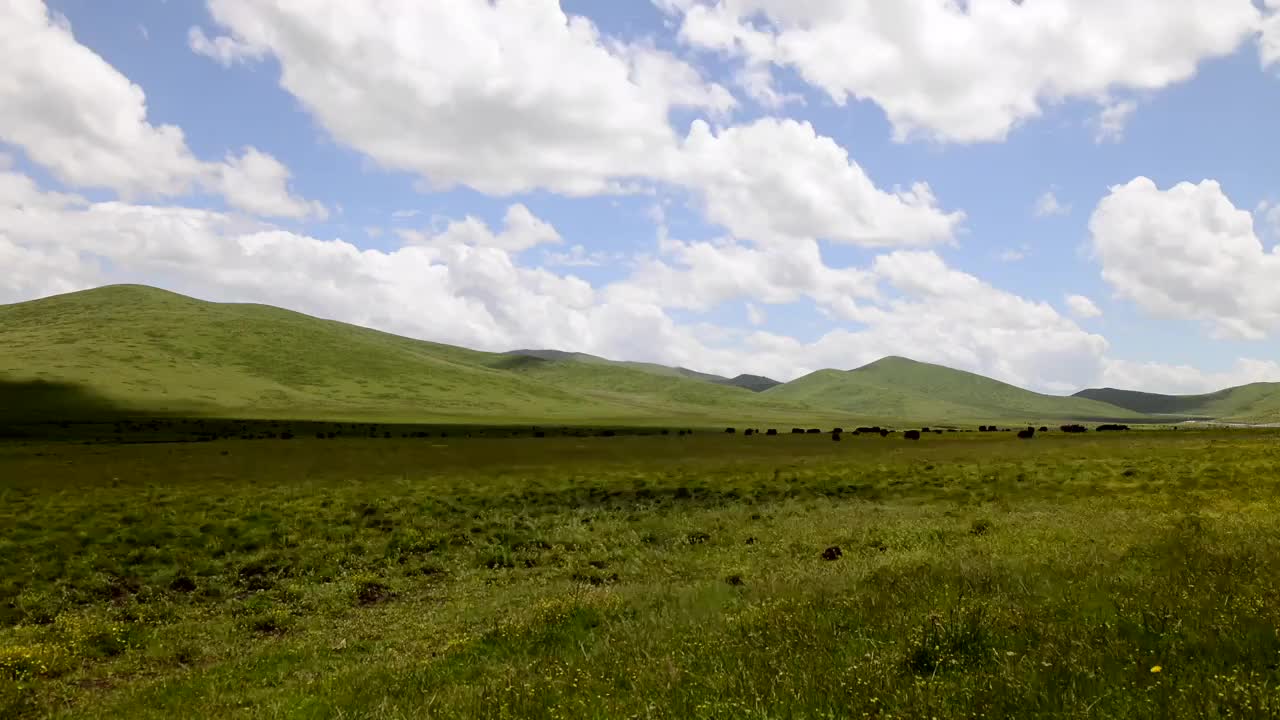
point(667, 576)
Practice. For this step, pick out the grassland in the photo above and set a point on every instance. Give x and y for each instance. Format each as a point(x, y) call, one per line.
point(1095, 576)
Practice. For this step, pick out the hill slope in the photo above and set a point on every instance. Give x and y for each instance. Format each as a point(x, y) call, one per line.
point(754, 383)
point(896, 387)
point(138, 349)
point(1254, 403)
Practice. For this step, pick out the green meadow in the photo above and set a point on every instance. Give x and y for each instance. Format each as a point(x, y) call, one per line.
point(1122, 575)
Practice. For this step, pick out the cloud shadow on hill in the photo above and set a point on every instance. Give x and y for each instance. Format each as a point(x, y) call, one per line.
point(45, 400)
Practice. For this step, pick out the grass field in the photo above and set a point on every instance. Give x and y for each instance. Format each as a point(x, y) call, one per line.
point(1095, 576)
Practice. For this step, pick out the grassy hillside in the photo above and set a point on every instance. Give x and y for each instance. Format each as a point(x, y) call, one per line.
point(654, 391)
point(898, 387)
point(139, 349)
point(754, 383)
point(1257, 402)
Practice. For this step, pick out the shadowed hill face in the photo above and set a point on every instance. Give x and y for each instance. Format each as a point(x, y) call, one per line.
point(165, 353)
point(754, 383)
point(48, 401)
point(898, 387)
point(1258, 402)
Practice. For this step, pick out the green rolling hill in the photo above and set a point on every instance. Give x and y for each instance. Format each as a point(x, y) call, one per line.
point(140, 350)
point(895, 387)
point(1253, 403)
point(755, 383)
point(137, 350)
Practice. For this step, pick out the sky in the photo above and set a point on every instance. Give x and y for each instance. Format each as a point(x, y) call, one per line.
point(1055, 193)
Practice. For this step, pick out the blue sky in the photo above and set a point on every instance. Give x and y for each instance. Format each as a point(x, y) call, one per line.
point(725, 185)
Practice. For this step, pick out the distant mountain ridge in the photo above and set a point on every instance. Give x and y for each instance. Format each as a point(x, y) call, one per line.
point(754, 383)
point(900, 387)
point(135, 349)
point(1256, 401)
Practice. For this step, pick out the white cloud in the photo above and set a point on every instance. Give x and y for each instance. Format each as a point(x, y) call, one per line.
point(1048, 205)
point(73, 113)
point(405, 214)
point(1188, 252)
point(1112, 119)
point(755, 315)
point(945, 316)
point(776, 181)
point(1269, 39)
point(758, 82)
point(972, 71)
point(462, 294)
point(579, 256)
point(478, 296)
point(1082, 307)
point(258, 183)
point(521, 231)
point(1268, 214)
point(515, 96)
point(702, 275)
point(1011, 255)
point(1184, 379)
point(226, 51)
point(908, 303)
point(504, 97)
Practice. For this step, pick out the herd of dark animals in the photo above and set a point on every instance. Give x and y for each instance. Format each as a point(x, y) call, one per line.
point(200, 430)
point(837, 433)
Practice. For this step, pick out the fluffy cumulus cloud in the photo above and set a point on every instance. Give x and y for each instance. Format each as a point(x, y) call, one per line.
point(1269, 40)
point(456, 293)
point(1082, 307)
point(703, 275)
point(778, 181)
point(258, 183)
point(907, 303)
point(1188, 252)
point(971, 71)
point(70, 111)
point(514, 96)
point(511, 97)
point(954, 318)
point(457, 290)
point(521, 231)
point(1185, 379)
point(503, 97)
